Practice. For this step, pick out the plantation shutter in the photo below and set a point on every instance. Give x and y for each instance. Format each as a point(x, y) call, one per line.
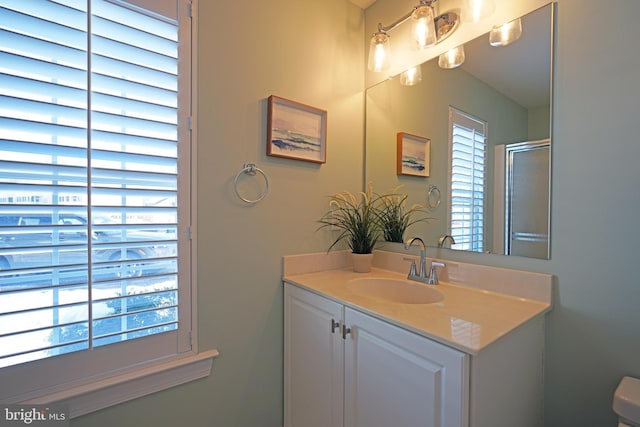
point(467, 187)
point(90, 124)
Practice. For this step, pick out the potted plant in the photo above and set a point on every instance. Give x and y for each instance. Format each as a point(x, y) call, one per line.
point(355, 217)
point(394, 217)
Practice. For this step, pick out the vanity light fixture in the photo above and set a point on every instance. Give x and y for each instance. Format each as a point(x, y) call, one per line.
point(503, 35)
point(412, 76)
point(424, 27)
point(379, 51)
point(476, 10)
point(427, 31)
point(453, 58)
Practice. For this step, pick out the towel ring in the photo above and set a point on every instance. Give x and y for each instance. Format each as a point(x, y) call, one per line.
point(433, 197)
point(251, 169)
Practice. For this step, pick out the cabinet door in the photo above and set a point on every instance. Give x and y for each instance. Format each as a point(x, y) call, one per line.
point(314, 360)
point(397, 378)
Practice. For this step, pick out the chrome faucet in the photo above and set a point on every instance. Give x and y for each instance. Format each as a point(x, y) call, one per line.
point(421, 276)
point(443, 239)
point(413, 275)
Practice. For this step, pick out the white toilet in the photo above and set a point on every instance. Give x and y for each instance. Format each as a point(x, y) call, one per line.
point(626, 402)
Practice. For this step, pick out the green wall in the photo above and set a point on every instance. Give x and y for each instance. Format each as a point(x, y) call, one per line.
point(539, 124)
point(309, 51)
point(313, 51)
point(593, 334)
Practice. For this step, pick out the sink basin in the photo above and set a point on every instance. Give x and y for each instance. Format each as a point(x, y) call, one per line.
point(395, 290)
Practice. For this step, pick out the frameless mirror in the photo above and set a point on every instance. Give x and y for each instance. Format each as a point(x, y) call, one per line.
point(489, 124)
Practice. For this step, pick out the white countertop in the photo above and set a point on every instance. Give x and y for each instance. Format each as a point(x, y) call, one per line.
point(468, 318)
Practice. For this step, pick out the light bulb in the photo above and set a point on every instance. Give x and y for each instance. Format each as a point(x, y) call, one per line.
point(476, 10)
point(424, 29)
point(506, 34)
point(379, 52)
point(452, 58)
point(412, 76)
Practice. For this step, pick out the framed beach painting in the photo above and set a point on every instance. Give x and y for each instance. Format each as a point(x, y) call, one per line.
point(296, 131)
point(413, 156)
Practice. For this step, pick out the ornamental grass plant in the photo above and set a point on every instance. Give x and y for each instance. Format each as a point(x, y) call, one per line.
point(361, 219)
point(356, 218)
point(394, 216)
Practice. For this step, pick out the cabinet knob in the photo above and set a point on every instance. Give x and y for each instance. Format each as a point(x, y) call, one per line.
point(334, 325)
point(345, 331)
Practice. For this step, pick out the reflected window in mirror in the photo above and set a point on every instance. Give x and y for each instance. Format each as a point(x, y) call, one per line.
point(468, 182)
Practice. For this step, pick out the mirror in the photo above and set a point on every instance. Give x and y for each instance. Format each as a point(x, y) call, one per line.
point(505, 91)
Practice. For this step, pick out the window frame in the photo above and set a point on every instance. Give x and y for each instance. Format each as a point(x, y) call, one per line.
point(132, 373)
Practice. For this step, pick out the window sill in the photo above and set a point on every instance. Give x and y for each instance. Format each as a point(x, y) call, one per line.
point(93, 396)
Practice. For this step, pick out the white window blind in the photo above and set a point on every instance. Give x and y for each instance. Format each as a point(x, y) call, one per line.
point(467, 187)
point(93, 102)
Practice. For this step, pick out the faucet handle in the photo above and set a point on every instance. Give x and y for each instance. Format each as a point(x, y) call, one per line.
point(412, 270)
point(433, 274)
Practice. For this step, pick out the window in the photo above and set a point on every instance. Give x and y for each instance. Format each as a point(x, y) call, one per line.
point(467, 143)
point(95, 218)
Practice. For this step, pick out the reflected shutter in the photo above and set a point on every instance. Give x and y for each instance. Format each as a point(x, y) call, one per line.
point(467, 187)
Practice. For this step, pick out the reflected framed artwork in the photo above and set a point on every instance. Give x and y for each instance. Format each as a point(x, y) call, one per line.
point(296, 131)
point(414, 154)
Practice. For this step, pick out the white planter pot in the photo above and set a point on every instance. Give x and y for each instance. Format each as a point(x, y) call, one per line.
point(362, 262)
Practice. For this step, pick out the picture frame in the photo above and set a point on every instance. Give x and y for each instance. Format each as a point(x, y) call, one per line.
point(413, 155)
point(296, 131)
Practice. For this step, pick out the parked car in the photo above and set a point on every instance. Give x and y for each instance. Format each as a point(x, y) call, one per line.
point(34, 245)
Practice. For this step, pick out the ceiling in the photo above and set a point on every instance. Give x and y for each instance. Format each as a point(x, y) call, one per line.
point(363, 4)
point(528, 59)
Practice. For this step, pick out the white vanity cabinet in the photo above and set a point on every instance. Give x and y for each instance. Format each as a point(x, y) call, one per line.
point(394, 377)
point(346, 368)
point(313, 360)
